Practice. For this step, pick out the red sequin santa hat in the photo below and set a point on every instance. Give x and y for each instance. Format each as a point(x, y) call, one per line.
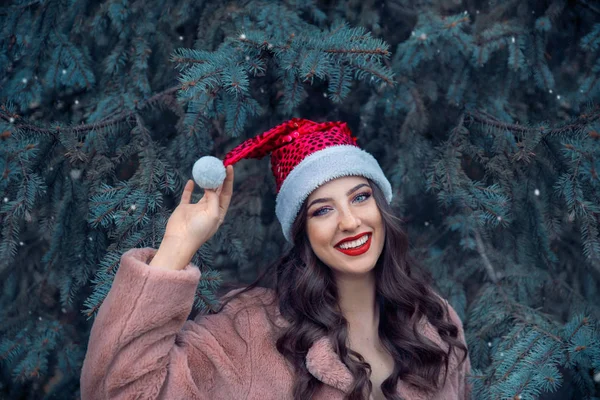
point(304, 155)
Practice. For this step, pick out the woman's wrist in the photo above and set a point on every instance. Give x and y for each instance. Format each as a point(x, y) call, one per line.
point(173, 253)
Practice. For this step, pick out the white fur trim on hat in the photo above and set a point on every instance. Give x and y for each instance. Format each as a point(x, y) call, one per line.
point(320, 167)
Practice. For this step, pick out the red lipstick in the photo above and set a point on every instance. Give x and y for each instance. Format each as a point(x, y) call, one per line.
point(358, 250)
point(349, 239)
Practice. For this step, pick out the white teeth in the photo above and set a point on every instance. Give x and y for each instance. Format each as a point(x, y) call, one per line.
point(355, 243)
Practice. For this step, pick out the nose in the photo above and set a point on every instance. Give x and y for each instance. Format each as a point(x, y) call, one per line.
point(348, 221)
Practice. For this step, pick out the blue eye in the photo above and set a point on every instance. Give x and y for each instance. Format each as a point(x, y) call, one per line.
point(364, 195)
point(318, 212)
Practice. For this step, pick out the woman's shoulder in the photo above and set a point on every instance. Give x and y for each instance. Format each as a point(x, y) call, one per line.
point(256, 306)
point(429, 330)
point(257, 297)
point(451, 313)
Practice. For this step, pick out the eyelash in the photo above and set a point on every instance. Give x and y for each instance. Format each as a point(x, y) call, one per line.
point(366, 194)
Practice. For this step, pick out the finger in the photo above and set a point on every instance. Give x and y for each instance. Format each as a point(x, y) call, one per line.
point(187, 192)
point(212, 201)
point(226, 191)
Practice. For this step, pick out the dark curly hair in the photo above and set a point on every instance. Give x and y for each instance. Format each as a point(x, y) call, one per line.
point(404, 296)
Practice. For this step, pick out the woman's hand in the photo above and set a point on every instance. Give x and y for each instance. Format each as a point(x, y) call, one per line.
point(192, 224)
point(195, 223)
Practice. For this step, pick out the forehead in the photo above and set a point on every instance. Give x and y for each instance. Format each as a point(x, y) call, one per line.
point(337, 187)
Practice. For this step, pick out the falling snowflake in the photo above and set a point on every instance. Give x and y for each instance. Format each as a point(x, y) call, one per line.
point(243, 36)
point(536, 192)
point(75, 173)
point(24, 80)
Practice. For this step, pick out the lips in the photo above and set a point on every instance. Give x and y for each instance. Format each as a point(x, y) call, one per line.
point(352, 238)
point(358, 250)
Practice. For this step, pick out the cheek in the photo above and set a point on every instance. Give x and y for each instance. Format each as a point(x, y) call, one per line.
point(318, 235)
point(312, 232)
point(378, 224)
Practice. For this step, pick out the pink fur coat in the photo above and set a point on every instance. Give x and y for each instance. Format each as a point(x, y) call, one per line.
point(143, 347)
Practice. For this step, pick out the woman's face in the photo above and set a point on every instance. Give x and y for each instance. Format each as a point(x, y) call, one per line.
point(341, 209)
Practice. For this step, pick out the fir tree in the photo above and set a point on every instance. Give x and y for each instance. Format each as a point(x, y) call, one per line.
point(484, 117)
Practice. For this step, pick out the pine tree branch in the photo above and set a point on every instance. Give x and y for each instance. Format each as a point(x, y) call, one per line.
point(486, 261)
point(187, 85)
point(354, 51)
point(23, 6)
point(582, 120)
point(377, 51)
point(587, 5)
point(6, 116)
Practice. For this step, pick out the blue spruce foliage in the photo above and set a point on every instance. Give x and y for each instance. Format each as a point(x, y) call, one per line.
point(484, 115)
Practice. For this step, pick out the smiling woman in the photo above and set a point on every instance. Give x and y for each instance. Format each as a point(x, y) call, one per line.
point(350, 316)
point(344, 226)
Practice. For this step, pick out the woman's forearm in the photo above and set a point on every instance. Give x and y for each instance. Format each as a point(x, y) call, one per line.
point(173, 253)
point(133, 338)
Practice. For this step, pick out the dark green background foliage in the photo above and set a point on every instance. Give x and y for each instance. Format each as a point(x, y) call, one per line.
point(484, 114)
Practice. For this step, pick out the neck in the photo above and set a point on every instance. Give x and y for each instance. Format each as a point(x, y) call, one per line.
point(357, 304)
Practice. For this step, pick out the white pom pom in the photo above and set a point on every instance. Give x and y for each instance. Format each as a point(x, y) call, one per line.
point(209, 172)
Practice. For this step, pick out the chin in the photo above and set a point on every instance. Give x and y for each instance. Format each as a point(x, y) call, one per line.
point(358, 267)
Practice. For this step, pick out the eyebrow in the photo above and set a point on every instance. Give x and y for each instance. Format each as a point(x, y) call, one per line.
point(326, 199)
